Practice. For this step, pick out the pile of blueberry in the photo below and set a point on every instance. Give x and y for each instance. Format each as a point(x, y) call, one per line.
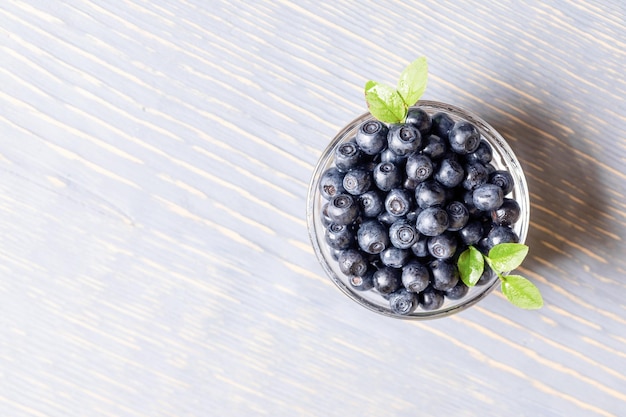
point(402, 201)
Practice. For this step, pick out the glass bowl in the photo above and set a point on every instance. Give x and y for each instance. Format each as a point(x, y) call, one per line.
point(503, 159)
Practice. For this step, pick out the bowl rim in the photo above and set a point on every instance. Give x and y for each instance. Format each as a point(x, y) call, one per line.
point(488, 132)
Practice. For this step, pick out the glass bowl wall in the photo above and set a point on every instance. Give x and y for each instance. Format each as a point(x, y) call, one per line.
point(503, 159)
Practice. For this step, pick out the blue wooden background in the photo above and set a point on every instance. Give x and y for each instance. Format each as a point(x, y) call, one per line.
point(155, 157)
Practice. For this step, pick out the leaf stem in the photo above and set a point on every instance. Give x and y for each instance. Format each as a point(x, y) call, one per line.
point(490, 263)
point(486, 258)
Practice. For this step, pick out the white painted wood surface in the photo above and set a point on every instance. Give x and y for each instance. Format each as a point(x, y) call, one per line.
point(154, 258)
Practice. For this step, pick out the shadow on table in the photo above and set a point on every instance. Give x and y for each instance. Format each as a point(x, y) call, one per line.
point(568, 201)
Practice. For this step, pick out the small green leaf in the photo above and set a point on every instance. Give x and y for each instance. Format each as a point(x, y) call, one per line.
point(412, 81)
point(505, 257)
point(369, 85)
point(471, 266)
point(385, 103)
point(521, 292)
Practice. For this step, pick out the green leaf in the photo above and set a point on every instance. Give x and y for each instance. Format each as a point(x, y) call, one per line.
point(521, 292)
point(471, 266)
point(369, 85)
point(385, 103)
point(505, 257)
point(412, 81)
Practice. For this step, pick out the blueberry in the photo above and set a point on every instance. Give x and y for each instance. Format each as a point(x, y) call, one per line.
point(342, 209)
point(357, 181)
point(457, 292)
point(369, 163)
point(420, 248)
point(415, 276)
point(464, 138)
point(482, 154)
point(429, 193)
point(467, 198)
point(500, 234)
point(441, 124)
point(435, 147)
point(402, 234)
point(347, 155)
point(490, 168)
point(483, 245)
point(372, 137)
point(502, 179)
point(339, 236)
point(412, 215)
point(410, 184)
point(331, 183)
point(387, 218)
point(352, 262)
point(430, 299)
point(471, 233)
point(403, 139)
point(475, 175)
point(445, 274)
point(371, 203)
point(390, 156)
point(372, 237)
point(487, 276)
point(387, 176)
point(402, 302)
point(419, 167)
point(507, 214)
point(362, 282)
point(326, 220)
point(458, 215)
point(395, 257)
point(387, 280)
point(419, 118)
point(432, 221)
point(450, 173)
point(442, 246)
point(487, 197)
point(398, 202)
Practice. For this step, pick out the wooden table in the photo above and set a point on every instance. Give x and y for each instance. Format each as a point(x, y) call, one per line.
point(155, 159)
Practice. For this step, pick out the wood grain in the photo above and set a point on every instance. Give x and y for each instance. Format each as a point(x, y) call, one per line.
point(154, 258)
